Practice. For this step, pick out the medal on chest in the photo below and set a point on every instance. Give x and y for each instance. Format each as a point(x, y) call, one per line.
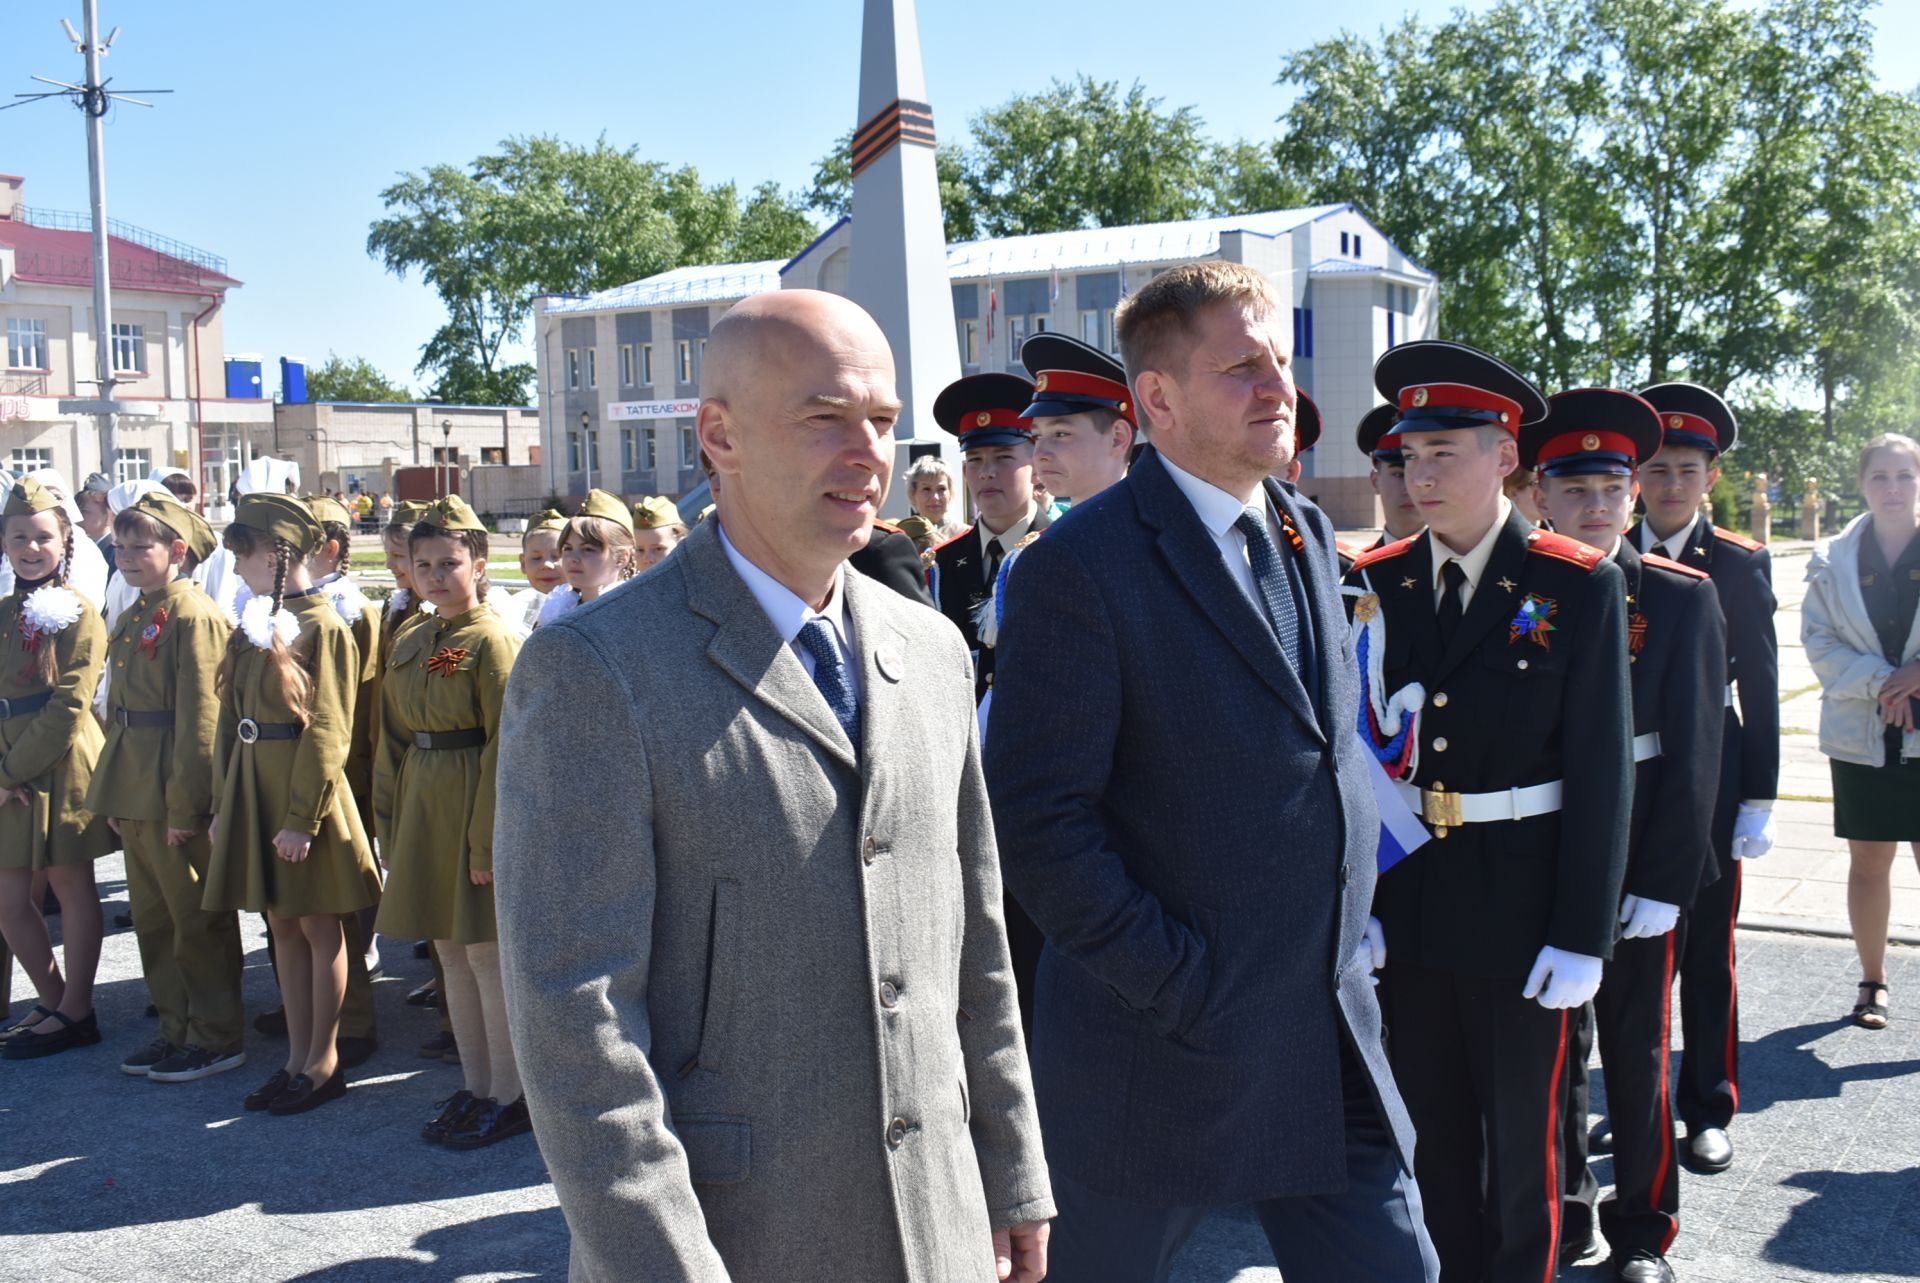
point(1534, 621)
point(150, 635)
point(446, 661)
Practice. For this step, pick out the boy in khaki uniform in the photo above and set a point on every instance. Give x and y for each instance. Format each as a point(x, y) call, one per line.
point(154, 781)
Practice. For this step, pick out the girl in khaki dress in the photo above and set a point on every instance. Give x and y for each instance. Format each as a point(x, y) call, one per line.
point(287, 840)
point(596, 553)
point(52, 645)
point(433, 800)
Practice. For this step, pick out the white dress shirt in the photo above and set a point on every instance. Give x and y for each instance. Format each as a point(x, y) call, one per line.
point(789, 614)
point(1673, 548)
point(1217, 511)
point(1473, 562)
point(1008, 539)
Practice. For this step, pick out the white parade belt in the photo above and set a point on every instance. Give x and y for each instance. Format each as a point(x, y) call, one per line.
point(1646, 747)
point(1444, 810)
point(1729, 694)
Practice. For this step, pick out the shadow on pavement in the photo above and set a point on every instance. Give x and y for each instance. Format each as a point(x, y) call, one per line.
point(512, 1245)
point(1785, 1066)
point(1854, 1224)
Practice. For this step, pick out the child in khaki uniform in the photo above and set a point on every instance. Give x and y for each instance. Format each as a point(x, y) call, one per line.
point(154, 782)
point(288, 841)
point(440, 700)
point(52, 644)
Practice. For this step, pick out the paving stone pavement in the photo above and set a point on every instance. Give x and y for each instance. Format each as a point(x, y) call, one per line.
point(104, 1177)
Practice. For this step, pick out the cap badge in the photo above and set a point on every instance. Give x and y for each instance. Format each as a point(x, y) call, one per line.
point(1590, 442)
point(1125, 408)
point(982, 419)
point(1419, 397)
point(1675, 421)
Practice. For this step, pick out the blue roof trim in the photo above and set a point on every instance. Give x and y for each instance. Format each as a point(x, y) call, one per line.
point(417, 405)
point(814, 244)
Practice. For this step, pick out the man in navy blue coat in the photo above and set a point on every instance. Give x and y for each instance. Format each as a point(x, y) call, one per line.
point(1191, 824)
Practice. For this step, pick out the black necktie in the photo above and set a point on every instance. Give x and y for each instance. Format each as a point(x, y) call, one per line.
point(1276, 593)
point(993, 562)
point(1453, 582)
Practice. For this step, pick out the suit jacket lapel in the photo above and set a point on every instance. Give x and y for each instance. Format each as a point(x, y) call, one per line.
point(883, 654)
point(1492, 604)
point(1322, 592)
point(1198, 565)
point(746, 647)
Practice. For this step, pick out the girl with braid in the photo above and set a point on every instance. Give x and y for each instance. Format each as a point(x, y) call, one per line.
point(440, 704)
point(52, 647)
point(287, 840)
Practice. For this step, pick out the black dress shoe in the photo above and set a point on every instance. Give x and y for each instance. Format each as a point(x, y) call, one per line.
point(301, 1095)
point(426, 995)
point(422, 949)
point(55, 1034)
point(489, 1123)
point(272, 1023)
point(1641, 1267)
point(1600, 1140)
point(263, 1095)
point(1709, 1150)
point(354, 1052)
point(123, 922)
point(453, 1111)
point(1573, 1251)
point(436, 1047)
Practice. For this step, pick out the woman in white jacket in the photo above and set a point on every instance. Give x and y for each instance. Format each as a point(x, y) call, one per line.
point(1861, 627)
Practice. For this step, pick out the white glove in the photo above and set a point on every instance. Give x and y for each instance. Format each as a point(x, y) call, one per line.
point(1371, 953)
point(1645, 919)
point(1753, 831)
point(1561, 979)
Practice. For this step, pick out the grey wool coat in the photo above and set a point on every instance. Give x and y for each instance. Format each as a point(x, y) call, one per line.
point(758, 982)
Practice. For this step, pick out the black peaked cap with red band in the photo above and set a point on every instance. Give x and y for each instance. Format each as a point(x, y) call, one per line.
point(1693, 416)
point(1442, 387)
point(1071, 377)
point(985, 410)
point(1591, 432)
point(1306, 423)
point(1378, 434)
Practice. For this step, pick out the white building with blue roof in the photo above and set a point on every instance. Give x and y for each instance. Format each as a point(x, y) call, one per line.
point(619, 369)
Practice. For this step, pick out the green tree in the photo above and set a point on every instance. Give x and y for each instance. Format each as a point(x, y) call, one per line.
point(831, 195)
point(352, 379)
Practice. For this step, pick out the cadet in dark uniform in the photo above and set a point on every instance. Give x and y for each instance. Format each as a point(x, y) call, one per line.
point(1698, 427)
point(988, 413)
point(1082, 416)
point(1307, 427)
point(1585, 453)
point(1518, 762)
point(893, 558)
point(1379, 440)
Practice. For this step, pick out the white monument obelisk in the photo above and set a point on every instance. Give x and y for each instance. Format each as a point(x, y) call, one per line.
point(897, 263)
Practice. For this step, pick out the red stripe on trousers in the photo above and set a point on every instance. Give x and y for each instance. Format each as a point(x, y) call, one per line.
point(1733, 995)
point(1556, 1085)
point(1665, 1169)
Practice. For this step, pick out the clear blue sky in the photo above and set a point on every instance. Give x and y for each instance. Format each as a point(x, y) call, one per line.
point(287, 120)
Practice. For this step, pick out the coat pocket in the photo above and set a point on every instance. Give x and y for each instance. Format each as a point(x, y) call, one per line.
point(723, 959)
point(719, 1147)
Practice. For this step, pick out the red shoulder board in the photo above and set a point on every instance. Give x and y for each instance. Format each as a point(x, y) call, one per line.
point(1737, 539)
point(1667, 563)
point(886, 526)
point(1561, 548)
point(956, 539)
point(1387, 553)
point(1350, 551)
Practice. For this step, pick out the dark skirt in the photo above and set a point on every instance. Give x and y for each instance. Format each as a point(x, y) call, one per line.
point(1877, 803)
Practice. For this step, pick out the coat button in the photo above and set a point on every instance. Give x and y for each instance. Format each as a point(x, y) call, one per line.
point(889, 996)
point(897, 1133)
point(1346, 872)
point(1440, 699)
point(868, 851)
point(1521, 664)
point(1440, 744)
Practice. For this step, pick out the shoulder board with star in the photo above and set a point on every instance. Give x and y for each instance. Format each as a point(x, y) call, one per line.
point(1737, 539)
point(1352, 552)
point(1362, 560)
point(1561, 548)
point(956, 539)
point(1668, 564)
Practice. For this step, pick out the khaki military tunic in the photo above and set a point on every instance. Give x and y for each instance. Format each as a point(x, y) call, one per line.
point(435, 806)
point(165, 649)
point(297, 784)
point(51, 752)
point(366, 700)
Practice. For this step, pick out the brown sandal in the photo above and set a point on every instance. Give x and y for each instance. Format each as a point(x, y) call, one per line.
point(1871, 1014)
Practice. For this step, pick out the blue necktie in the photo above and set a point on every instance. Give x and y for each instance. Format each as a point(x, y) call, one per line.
point(1276, 591)
point(830, 675)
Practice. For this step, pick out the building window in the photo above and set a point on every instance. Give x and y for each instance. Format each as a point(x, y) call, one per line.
point(683, 352)
point(1343, 242)
point(629, 452)
point(1356, 244)
point(593, 367)
point(443, 455)
point(129, 349)
point(626, 365)
point(131, 465)
point(27, 459)
point(593, 452)
point(1090, 328)
point(969, 343)
point(573, 452)
point(493, 454)
point(1303, 333)
point(1391, 317)
point(689, 448)
point(573, 368)
point(1113, 333)
point(1018, 328)
point(646, 364)
point(649, 450)
point(26, 345)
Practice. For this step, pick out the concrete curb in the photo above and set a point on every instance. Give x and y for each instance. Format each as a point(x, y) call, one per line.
point(1827, 927)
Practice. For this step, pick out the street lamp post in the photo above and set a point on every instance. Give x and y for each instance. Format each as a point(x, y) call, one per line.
point(586, 445)
point(446, 452)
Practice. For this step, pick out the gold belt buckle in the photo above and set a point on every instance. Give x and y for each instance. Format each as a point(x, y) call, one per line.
point(1441, 809)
